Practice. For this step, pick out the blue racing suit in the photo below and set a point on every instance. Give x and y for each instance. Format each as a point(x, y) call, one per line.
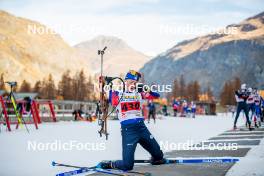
point(133, 128)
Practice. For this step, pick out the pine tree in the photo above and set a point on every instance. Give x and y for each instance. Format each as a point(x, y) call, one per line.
point(79, 86)
point(83, 86)
point(235, 86)
point(49, 89)
point(65, 86)
point(90, 89)
point(75, 87)
point(227, 94)
point(223, 98)
point(236, 83)
point(2, 82)
point(209, 93)
point(189, 91)
point(196, 91)
point(193, 91)
point(182, 87)
point(175, 89)
point(43, 92)
point(37, 87)
point(25, 87)
point(15, 88)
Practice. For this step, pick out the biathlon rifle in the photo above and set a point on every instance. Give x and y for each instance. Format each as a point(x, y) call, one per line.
point(103, 104)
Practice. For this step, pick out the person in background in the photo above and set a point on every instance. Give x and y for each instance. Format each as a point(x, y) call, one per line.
point(175, 106)
point(164, 110)
point(152, 111)
point(241, 98)
point(262, 109)
point(189, 110)
point(24, 106)
point(77, 114)
point(251, 103)
point(193, 106)
point(93, 114)
point(184, 108)
point(257, 108)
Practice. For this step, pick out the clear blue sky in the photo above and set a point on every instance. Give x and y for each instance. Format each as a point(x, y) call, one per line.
point(150, 26)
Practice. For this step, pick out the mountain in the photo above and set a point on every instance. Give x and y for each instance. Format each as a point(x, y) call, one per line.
point(235, 51)
point(26, 52)
point(118, 58)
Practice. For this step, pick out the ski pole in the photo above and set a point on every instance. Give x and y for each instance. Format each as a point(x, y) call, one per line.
point(81, 170)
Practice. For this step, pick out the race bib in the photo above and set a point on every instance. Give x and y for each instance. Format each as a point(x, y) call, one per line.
point(130, 106)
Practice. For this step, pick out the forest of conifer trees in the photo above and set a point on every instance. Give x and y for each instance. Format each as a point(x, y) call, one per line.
point(80, 87)
point(77, 87)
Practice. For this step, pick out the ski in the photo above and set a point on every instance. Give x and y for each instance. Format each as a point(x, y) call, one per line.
point(193, 161)
point(85, 170)
point(126, 173)
point(108, 171)
point(95, 169)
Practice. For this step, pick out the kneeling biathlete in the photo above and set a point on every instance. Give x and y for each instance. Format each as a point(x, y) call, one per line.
point(133, 128)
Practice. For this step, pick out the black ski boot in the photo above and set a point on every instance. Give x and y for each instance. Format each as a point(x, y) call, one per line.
point(235, 128)
point(105, 165)
point(159, 162)
point(250, 128)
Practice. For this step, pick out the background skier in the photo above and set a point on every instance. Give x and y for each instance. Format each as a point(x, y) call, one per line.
point(152, 111)
point(175, 106)
point(257, 108)
point(251, 103)
point(193, 106)
point(241, 98)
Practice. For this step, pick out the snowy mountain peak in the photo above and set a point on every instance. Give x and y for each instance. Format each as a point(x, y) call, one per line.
point(213, 59)
point(248, 29)
point(32, 56)
point(101, 41)
point(118, 59)
point(259, 16)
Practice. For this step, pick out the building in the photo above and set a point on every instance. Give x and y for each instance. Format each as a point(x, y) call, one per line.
point(261, 92)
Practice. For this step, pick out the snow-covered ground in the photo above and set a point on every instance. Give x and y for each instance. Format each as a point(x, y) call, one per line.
point(17, 157)
point(251, 165)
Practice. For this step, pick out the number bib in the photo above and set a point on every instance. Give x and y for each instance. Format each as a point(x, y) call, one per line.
point(129, 106)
